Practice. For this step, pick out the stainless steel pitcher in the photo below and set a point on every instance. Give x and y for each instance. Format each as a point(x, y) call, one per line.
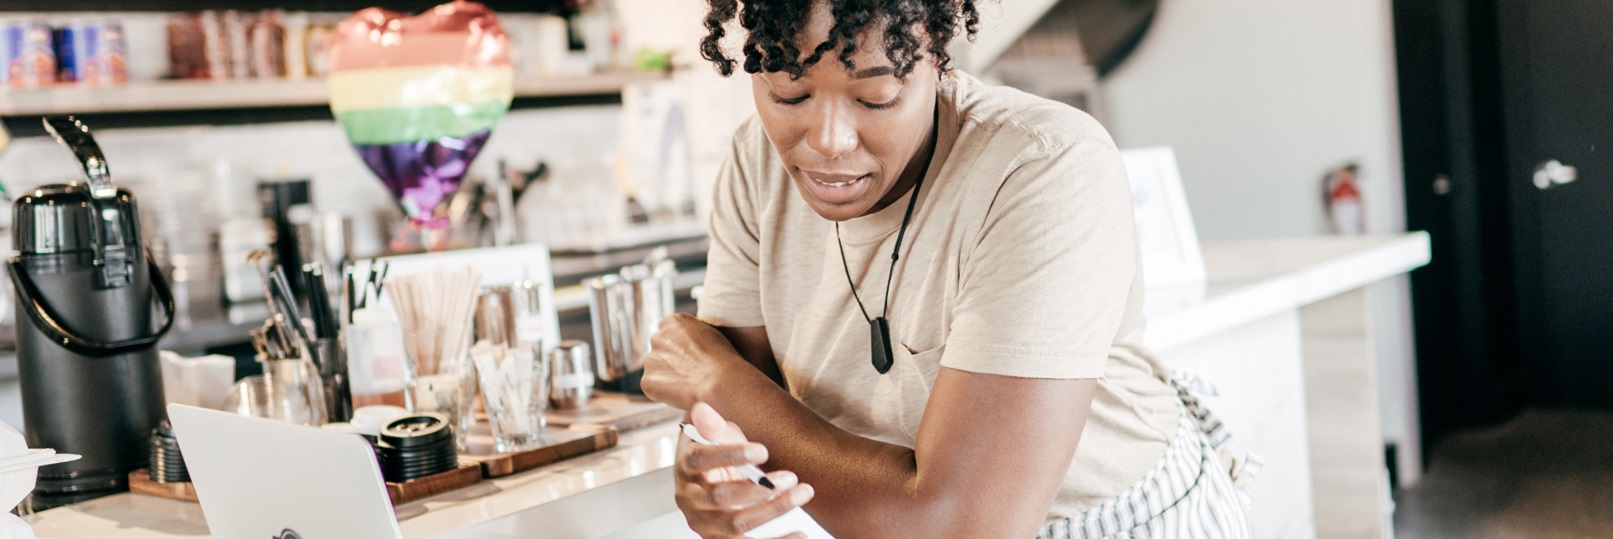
point(510, 314)
point(626, 308)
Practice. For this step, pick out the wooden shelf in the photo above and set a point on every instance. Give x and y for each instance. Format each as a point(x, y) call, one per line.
point(343, 6)
point(206, 95)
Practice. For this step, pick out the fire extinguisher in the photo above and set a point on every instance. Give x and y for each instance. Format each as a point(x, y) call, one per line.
point(1342, 196)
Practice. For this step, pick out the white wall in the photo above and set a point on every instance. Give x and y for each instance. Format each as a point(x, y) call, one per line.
point(1260, 98)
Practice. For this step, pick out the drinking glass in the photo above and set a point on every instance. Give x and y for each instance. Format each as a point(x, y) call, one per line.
point(447, 387)
point(259, 396)
point(515, 390)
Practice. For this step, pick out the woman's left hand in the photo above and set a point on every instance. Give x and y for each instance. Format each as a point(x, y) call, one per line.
point(686, 358)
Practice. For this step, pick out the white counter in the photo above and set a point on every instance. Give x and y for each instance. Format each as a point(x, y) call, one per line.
point(1254, 279)
point(1285, 335)
point(1251, 283)
point(640, 452)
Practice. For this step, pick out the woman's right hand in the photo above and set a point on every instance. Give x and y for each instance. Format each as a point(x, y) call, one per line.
point(716, 499)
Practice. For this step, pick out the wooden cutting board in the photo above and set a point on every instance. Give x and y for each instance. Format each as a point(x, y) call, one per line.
point(467, 474)
point(620, 411)
point(559, 443)
point(140, 483)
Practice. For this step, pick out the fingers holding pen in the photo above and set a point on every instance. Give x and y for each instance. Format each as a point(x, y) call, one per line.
point(714, 514)
point(720, 488)
point(744, 493)
point(713, 463)
point(743, 520)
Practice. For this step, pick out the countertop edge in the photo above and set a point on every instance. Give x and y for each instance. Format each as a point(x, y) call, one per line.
point(1287, 290)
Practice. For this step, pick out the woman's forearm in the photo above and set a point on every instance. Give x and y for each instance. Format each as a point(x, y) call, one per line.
point(865, 488)
point(990, 454)
point(751, 343)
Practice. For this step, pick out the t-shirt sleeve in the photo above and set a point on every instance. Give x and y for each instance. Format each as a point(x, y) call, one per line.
point(1046, 287)
point(731, 295)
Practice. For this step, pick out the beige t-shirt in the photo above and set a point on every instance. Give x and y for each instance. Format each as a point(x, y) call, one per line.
point(1021, 260)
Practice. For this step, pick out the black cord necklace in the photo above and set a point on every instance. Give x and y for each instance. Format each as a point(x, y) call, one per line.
point(879, 334)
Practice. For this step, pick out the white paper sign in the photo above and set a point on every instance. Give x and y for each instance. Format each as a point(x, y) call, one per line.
point(1165, 232)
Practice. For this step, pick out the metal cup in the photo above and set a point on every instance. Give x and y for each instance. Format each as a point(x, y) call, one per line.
point(626, 309)
point(510, 314)
point(571, 375)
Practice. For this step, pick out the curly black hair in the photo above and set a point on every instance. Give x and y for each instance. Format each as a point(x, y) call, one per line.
point(773, 25)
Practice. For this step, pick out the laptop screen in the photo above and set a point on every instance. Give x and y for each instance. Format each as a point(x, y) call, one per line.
point(258, 478)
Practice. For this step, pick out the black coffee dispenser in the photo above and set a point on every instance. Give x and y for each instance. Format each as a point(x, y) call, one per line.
point(86, 344)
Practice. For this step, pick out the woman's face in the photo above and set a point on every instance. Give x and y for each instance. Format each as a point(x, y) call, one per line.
point(853, 141)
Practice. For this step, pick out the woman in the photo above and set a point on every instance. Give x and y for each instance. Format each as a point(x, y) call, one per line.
point(922, 306)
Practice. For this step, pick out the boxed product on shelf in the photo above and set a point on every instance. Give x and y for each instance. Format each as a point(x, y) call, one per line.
point(91, 52)
point(26, 48)
point(219, 45)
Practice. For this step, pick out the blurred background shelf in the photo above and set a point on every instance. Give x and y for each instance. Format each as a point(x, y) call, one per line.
point(409, 6)
point(208, 95)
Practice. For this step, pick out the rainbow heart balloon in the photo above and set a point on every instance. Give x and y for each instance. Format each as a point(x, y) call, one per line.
point(419, 96)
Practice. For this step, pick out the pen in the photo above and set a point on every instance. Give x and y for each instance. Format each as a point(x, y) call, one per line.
point(750, 471)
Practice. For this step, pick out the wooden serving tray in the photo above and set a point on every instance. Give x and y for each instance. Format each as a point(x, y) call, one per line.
point(467, 474)
point(558, 444)
point(620, 411)
point(140, 483)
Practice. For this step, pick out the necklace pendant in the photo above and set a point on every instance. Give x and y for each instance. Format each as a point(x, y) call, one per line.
point(879, 335)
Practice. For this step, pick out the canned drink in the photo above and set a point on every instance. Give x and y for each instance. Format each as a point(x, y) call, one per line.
point(74, 48)
point(92, 52)
point(111, 55)
point(7, 52)
point(29, 56)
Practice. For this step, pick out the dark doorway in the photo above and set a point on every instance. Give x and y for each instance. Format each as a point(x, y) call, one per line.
point(1510, 311)
point(1557, 95)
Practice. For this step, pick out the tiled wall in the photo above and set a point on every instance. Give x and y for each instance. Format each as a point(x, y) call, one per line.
point(196, 176)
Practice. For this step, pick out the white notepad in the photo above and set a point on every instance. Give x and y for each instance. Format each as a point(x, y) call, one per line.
point(796, 520)
point(673, 526)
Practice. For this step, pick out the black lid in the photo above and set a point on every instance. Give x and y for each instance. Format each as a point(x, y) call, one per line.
point(58, 218)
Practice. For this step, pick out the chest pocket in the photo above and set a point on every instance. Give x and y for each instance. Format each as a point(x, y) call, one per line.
point(901, 394)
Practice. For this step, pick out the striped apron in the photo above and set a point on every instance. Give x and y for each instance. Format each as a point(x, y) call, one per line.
point(1190, 493)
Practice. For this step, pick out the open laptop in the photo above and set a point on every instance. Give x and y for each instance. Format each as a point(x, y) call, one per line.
point(261, 479)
